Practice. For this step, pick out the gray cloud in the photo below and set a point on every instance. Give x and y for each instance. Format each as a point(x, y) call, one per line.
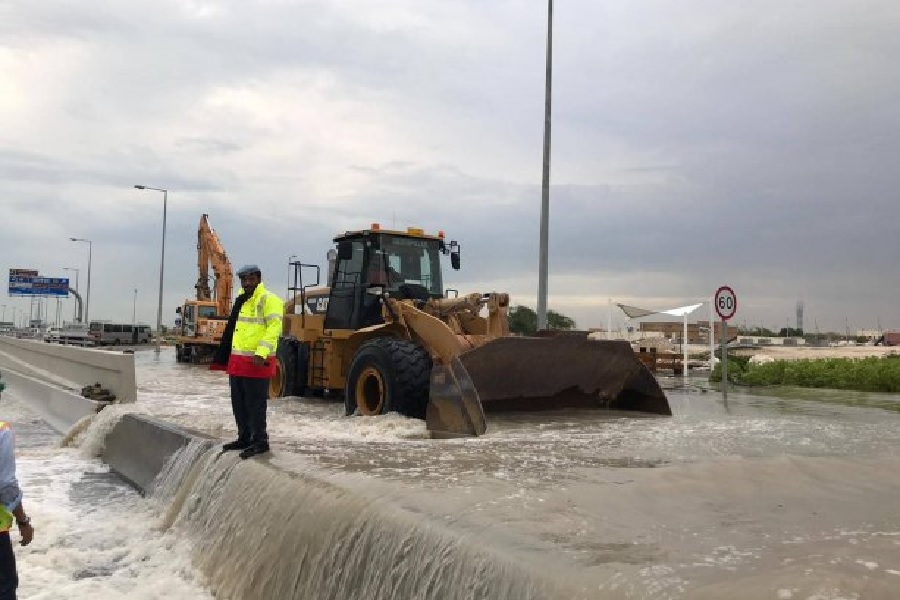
point(694, 144)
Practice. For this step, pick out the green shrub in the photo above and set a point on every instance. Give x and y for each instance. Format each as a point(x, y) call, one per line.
point(737, 366)
point(863, 374)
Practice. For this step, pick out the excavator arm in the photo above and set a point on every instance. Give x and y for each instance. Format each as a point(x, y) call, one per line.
point(211, 252)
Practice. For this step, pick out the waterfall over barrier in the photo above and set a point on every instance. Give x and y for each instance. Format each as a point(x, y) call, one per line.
point(262, 532)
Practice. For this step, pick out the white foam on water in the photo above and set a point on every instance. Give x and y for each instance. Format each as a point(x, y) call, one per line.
point(95, 537)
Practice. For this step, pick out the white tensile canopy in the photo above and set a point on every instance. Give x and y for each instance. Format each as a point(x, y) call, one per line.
point(635, 312)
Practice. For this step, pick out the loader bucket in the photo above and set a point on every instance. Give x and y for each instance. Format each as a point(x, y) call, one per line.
point(454, 409)
point(529, 373)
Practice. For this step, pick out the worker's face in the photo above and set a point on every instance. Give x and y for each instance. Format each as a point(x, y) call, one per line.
point(249, 281)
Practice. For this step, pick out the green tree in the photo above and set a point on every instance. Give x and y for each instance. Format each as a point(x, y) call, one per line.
point(523, 320)
point(556, 320)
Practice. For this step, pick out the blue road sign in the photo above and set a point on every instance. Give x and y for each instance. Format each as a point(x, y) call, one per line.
point(25, 285)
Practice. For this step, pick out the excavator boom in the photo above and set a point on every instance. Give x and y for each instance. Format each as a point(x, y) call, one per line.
point(211, 252)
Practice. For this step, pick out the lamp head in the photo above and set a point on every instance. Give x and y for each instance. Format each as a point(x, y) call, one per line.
point(141, 187)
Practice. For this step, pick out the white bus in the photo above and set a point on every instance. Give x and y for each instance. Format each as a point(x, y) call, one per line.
point(107, 333)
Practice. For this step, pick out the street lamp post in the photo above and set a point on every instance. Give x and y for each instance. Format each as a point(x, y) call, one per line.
point(134, 307)
point(545, 180)
point(162, 263)
point(74, 308)
point(87, 302)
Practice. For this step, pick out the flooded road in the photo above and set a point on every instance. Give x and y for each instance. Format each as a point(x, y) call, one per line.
point(777, 494)
point(774, 494)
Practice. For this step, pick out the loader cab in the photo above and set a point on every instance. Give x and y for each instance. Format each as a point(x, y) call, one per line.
point(403, 264)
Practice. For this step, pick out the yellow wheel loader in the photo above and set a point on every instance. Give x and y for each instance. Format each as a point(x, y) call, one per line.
point(385, 335)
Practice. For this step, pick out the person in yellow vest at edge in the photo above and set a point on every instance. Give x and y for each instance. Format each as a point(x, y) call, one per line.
point(11, 512)
point(247, 354)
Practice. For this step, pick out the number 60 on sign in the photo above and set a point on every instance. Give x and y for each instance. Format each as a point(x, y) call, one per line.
point(726, 302)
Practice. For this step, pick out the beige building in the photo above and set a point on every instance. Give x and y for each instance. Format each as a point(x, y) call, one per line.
point(697, 333)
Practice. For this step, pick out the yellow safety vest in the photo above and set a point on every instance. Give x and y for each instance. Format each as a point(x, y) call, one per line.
point(258, 325)
point(6, 517)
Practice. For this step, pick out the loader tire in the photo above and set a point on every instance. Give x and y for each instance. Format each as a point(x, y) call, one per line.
point(282, 383)
point(388, 374)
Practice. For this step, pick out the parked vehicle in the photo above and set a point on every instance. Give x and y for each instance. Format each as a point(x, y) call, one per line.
point(115, 334)
point(890, 338)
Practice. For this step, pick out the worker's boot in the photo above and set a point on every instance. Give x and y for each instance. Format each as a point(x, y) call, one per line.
point(237, 444)
point(258, 448)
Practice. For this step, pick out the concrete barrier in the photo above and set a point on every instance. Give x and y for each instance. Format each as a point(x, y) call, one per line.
point(60, 408)
point(69, 367)
point(138, 447)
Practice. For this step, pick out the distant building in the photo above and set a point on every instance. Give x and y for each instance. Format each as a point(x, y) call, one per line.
point(871, 334)
point(697, 333)
point(763, 340)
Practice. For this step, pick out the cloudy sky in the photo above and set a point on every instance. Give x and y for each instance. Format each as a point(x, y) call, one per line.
point(695, 144)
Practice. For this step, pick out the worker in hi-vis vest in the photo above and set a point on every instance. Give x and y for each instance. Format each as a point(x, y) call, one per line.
point(11, 513)
point(247, 354)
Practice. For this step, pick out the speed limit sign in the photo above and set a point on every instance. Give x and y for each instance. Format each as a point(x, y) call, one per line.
point(726, 302)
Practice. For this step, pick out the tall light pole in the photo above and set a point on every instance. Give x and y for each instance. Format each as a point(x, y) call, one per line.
point(74, 308)
point(134, 307)
point(545, 181)
point(87, 302)
point(162, 263)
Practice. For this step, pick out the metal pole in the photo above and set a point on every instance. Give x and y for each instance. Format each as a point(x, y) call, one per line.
point(134, 307)
point(724, 350)
point(162, 262)
point(545, 180)
point(290, 258)
point(684, 349)
point(87, 303)
point(712, 335)
point(609, 319)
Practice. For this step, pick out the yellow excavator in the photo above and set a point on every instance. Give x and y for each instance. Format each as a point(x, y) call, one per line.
point(384, 333)
point(201, 321)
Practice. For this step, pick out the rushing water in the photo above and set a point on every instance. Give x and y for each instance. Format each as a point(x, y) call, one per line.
point(775, 494)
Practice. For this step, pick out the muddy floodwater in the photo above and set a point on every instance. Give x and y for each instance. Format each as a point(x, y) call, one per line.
point(773, 494)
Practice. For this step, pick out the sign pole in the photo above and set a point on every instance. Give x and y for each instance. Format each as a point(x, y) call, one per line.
point(724, 353)
point(725, 302)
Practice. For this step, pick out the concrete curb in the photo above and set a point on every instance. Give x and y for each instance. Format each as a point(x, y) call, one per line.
point(138, 448)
